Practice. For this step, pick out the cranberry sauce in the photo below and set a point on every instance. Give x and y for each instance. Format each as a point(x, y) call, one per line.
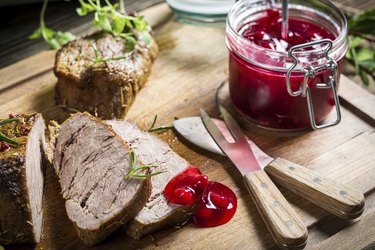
point(216, 206)
point(215, 203)
point(187, 187)
point(260, 93)
point(266, 32)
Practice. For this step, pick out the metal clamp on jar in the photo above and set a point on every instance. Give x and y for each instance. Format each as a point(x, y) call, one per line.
point(286, 78)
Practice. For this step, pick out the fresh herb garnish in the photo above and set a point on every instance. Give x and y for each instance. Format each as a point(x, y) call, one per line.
point(158, 129)
point(106, 17)
point(55, 39)
point(114, 22)
point(362, 45)
point(99, 59)
point(5, 138)
point(9, 120)
point(135, 169)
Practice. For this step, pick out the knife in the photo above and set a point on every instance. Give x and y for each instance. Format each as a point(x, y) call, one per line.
point(282, 222)
point(334, 197)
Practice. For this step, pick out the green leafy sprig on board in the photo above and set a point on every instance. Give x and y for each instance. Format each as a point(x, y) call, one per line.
point(135, 169)
point(159, 128)
point(55, 39)
point(361, 52)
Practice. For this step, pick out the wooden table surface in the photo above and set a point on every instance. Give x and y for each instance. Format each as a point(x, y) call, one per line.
point(345, 152)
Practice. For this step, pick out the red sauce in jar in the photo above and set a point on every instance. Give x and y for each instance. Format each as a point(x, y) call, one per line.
point(215, 203)
point(260, 93)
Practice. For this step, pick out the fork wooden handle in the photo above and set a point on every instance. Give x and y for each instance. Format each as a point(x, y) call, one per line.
point(338, 199)
point(280, 218)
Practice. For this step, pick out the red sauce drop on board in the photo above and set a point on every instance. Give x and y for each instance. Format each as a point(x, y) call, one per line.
point(260, 93)
point(215, 203)
point(216, 207)
point(186, 187)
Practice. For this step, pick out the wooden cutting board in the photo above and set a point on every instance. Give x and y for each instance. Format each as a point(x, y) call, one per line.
point(191, 65)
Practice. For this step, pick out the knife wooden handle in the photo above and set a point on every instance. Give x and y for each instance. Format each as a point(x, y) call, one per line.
point(280, 218)
point(338, 199)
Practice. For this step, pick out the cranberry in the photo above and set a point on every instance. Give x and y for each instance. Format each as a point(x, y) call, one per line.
point(186, 187)
point(216, 207)
point(23, 127)
point(273, 14)
point(4, 147)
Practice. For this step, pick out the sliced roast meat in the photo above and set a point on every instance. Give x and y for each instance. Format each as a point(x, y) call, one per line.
point(157, 213)
point(107, 88)
point(21, 180)
point(91, 162)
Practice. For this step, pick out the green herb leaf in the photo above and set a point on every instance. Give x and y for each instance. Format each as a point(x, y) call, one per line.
point(64, 37)
point(118, 25)
point(134, 168)
point(157, 129)
point(5, 138)
point(53, 43)
point(35, 35)
point(130, 43)
point(364, 23)
point(9, 120)
point(104, 23)
point(364, 77)
point(146, 37)
point(54, 39)
point(84, 9)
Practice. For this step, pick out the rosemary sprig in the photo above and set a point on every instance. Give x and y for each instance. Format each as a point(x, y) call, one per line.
point(135, 169)
point(5, 138)
point(9, 120)
point(158, 129)
point(99, 59)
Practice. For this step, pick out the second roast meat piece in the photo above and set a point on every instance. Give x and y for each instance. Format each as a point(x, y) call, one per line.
point(21, 179)
point(105, 89)
point(158, 212)
point(91, 161)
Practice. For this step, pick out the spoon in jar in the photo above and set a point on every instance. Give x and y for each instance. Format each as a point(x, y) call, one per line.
point(284, 23)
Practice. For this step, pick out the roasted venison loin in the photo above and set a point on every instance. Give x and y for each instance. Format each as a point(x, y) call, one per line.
point(105, 89)
point(21, 179)
point(91, 161)
point(158, 212)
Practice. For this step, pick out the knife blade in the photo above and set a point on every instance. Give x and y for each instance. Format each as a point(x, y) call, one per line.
point(282, 222)
point(322, 191)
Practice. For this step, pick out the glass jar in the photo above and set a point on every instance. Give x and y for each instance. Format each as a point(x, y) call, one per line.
point(287, 90)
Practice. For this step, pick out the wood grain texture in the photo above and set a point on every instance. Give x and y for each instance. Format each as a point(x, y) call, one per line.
point(336, 198)
point(280, 218)
point(352, 96)
point(191, 66)
point(357, 236)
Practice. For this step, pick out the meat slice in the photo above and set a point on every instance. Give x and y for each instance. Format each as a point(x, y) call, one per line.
point(105, 89)
point(157, 213)
point(91, 162)
point(21, 180)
